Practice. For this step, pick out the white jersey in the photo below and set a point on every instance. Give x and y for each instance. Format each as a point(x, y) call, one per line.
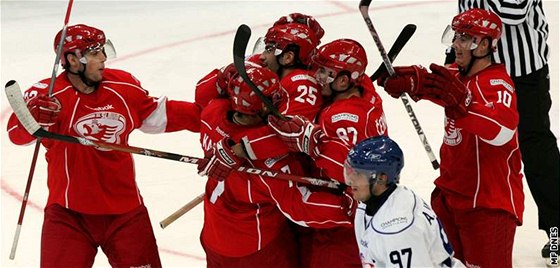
point(404, 232)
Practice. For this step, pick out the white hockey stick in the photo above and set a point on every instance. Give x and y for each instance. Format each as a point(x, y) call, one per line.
point(364, 7)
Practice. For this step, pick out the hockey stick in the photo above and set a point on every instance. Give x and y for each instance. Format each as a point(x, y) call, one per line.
point(180, 212)
point(38, 142)
point(239, 47)
point(15, 99)
point(399, 43)
point(364, 6)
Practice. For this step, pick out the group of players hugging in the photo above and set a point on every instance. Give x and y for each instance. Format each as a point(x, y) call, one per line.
point(320, 117)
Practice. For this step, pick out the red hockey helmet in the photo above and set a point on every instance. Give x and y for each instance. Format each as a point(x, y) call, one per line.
point(80, 38)
point(280, 36)
point(476, 22)
point(307, 20)
point(338, 56)
point(244, 100)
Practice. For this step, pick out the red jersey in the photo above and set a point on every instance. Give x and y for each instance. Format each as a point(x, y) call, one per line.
point(101, 181)
point(243, 213)
point(346, 122)
point(480, 158)
point(301, 96)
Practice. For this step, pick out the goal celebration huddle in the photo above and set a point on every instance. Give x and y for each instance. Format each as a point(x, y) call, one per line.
point(299, 163)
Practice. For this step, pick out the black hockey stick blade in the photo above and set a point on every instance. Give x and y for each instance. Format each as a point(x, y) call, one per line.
point(400, 42)
point(365, 3)
point(239, 47)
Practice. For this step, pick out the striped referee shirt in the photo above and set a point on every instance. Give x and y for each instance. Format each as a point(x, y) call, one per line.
point(522, 47)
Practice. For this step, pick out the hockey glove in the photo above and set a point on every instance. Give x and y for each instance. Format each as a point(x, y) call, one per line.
point(220, 162)
point(408, 79)
point(445, 86)
point(44, 109)
point(298, 133)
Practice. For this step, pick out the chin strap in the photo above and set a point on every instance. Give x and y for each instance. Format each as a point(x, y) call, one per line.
point(338, 92)
point(82, 76)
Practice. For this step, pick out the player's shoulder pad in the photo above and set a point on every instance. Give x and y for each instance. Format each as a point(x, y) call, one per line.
point(496, 78)
point(397, 213)
point(42, 87)
point(121, 77)
point(216, 109)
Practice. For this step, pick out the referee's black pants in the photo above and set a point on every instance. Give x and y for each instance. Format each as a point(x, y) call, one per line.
point(538, 145)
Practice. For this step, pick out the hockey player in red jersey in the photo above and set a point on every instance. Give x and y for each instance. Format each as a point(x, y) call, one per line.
point(288, 51)
point(245, 215)
point(479, 193)
point(288, 47)
point(93, 197)
point(353, 112)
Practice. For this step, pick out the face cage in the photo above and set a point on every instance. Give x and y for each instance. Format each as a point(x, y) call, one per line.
point(352, 174)
point(462, 40)
point(108, 49)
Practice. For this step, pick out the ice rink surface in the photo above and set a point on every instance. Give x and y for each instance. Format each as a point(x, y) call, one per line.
point(169, 46)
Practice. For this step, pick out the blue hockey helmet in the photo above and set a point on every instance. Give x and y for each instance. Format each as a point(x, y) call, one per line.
point(375, 156)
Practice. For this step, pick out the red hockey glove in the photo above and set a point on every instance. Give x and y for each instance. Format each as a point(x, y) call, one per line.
point(223, 77)
point(44, 109)
point(298, 133)
point(408, 79)
point(220, 162)
point(442, 84)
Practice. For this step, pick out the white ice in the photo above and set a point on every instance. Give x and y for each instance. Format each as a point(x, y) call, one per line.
point(169, 46)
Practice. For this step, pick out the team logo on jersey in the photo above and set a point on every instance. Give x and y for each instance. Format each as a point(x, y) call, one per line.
point(452, 135)
point(101, 126)
point(345, 116)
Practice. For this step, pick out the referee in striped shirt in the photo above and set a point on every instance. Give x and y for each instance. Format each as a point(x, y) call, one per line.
point(524, 52)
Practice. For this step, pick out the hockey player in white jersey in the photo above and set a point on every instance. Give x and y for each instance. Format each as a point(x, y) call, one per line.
point(394, 227)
